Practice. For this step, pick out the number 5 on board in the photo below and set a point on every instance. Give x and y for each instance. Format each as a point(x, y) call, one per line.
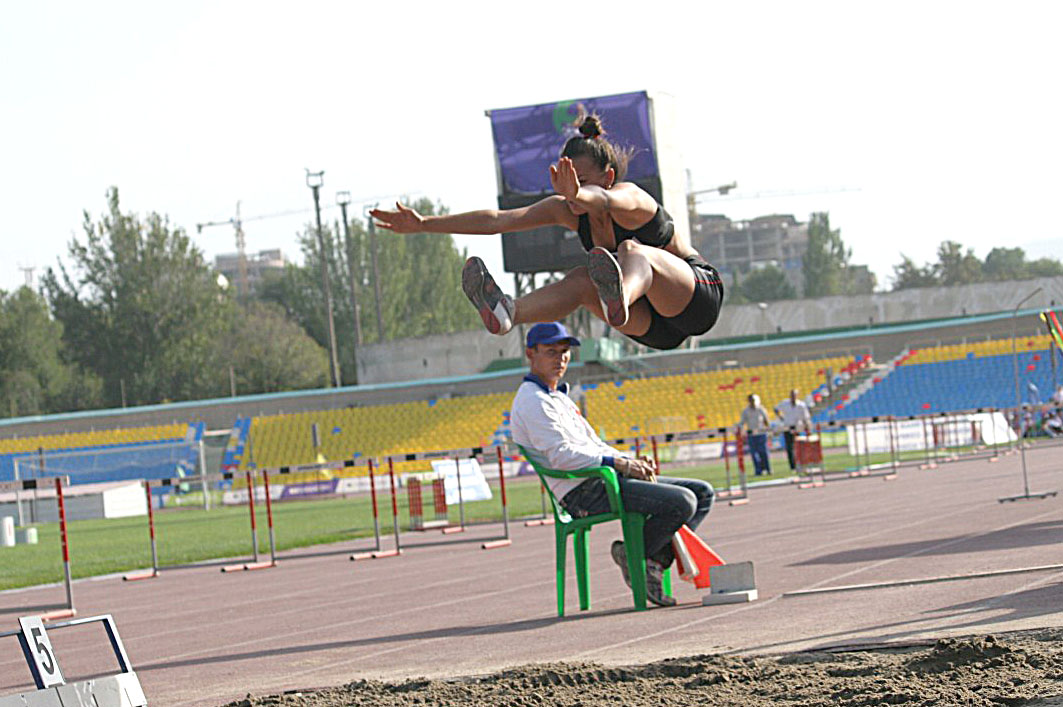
point(39, 653)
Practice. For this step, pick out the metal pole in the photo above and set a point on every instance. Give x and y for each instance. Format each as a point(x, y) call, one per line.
point(251, 507)
point(893, 446)
point(151, 532)
point(376, 279)
point(502, 490)
point(269, 519)
point(344, 198)
point(204, 484)
point(314, 181)
point(65, 543)
point(18, 496)
point(926, 446)
point(376, 513)
point(542, 499)
point(726, 462)
point(461, 501)
point(394, 503)
point(867, 449)
point(993, 427)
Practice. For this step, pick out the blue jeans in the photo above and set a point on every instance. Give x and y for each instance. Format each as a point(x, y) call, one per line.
point(668, 504)
point(758, 449)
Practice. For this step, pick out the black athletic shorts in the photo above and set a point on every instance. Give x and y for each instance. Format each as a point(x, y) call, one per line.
point(698, 317)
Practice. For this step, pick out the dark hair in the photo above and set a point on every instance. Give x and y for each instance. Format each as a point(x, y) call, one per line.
point(592, 143)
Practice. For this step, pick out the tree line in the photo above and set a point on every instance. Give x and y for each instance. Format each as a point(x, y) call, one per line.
point(135, 315)
point(827, 269)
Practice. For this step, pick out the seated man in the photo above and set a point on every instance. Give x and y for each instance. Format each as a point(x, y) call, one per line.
point(546, 422)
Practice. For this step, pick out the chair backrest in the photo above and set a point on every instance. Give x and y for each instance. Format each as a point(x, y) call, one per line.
point(560, 513)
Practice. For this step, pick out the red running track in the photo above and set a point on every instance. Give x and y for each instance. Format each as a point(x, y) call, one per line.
point(446, 607)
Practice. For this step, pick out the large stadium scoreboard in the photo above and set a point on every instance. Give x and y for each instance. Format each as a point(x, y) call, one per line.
point(529, 139)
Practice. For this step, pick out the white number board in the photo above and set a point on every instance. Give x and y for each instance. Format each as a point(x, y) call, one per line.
point(39, 652)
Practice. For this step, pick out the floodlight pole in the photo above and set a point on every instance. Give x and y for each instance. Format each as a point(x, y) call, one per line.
point(376, 277)
point(314, 180)
point(343, 198)
point(1026, 495)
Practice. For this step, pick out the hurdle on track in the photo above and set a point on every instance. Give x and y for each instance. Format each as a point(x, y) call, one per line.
point(505, 541)
point(397, 550)
point(57, 482)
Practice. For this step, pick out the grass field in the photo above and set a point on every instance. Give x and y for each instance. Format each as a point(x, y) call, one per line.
point(188, 535)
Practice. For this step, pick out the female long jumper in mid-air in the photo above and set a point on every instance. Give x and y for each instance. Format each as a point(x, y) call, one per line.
point(656, 289)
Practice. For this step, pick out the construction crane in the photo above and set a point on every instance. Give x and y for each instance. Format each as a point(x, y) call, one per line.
point(241, 247)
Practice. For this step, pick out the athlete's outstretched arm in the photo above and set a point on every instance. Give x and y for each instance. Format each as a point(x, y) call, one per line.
point(549, 211)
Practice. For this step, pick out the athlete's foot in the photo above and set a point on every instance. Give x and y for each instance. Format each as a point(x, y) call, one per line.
point(495, 306)
point(606, 275)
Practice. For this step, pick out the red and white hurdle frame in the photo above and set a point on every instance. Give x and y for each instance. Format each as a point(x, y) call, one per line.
point(57, 482)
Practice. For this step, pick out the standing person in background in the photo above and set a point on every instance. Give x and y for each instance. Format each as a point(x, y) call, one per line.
point(757, 423)
point(795, 418)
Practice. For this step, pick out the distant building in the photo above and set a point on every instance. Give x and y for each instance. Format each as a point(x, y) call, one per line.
point(259, 266)
point(743, 246)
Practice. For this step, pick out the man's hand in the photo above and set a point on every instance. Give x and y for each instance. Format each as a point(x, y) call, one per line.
point(636, 468)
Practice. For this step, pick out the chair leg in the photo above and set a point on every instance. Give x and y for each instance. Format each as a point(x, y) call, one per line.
point(636, 557)
point(579, 541)
point(561, 543)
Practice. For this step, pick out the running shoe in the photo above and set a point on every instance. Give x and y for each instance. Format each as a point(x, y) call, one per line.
point(495, 306)
point(655, 584)
point(606, 275)
point(620, 558)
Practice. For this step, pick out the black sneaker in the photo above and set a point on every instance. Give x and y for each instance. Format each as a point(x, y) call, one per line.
point(654, 589)
point(620, 558)
point(495, 307)
point(606, 276)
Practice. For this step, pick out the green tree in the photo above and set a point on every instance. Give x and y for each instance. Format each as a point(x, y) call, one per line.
point(1044, 267)
point(767, 284)
point(420, 286)
point(827, 259)
point(269, 352)
point(140, 308)
point(1005, 264)
point(34, 376)
point(907, 274)
point(954, 267)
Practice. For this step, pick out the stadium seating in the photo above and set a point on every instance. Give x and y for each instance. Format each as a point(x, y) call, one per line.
point(128, 448)
point(956, 377)
point(379, 430)
point(674, 403)
point(652, 405)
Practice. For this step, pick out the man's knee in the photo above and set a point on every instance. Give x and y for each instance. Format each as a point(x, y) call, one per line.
point(687, 504)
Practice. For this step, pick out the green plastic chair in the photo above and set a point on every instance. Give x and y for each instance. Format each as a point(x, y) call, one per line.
point(565, 525)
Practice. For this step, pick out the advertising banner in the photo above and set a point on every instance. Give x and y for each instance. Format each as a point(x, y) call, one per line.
point(529, 139)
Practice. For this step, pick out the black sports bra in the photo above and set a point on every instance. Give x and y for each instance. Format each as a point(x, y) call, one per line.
point(656, 232)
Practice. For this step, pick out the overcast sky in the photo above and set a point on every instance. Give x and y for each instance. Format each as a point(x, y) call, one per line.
point(942, 120)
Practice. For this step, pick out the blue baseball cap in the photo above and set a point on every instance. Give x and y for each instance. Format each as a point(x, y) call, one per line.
point(549, 333)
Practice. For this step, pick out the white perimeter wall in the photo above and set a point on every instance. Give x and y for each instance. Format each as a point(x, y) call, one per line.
point(470, 352)
point(885, 308)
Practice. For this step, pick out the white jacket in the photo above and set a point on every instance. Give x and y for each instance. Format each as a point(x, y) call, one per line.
point(550, 427)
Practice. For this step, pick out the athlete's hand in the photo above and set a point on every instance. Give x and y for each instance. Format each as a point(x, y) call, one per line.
point(564, 180)
point(402, 220)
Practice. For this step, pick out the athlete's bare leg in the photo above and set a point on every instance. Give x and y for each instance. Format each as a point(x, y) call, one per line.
point(559, 299)
point(638, 271)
